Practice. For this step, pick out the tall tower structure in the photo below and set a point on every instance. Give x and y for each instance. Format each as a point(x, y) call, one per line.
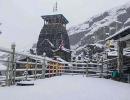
point(52, 35)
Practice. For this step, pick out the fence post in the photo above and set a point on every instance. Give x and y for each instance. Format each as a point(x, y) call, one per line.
point(56, 68)
point(10, 71)
point(101, 68)
point(26, 72)
point(71, 70)
point(87, 69)
point(12, 67)
point(35, 70)
point(44, 66)
point(7, 73)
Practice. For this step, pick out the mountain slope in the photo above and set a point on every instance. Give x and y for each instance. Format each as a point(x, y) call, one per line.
point(97, 28)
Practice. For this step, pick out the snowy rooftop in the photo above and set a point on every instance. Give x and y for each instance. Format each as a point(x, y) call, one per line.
point(68, 88)
point(97, 45)
point(63, 49)
point(120, 33)
point(60, 59)
point(114, 53)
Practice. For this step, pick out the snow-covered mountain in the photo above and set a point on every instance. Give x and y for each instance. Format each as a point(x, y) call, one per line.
point(97, 28)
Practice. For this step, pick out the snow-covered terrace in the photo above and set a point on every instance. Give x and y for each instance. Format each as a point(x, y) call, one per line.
point(68, 88)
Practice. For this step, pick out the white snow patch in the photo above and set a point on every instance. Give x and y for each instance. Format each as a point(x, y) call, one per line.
point(128, 21)
point(77, 29)
point(97, 45)
point(119, 32)
point(2, 67)
point(68, 88)
point(112, 53)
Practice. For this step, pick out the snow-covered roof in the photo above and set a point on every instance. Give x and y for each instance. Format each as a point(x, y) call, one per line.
point(63, 19)
point(52, 45)
point(127, 54)
point(64, 49)
point(97, 45)
point(24, 57)
point(112, 53)
point(128, 21)
point(26, 54)
point(119, 33)
point(59, 59)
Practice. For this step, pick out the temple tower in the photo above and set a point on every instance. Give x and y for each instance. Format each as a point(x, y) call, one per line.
point(52, 36)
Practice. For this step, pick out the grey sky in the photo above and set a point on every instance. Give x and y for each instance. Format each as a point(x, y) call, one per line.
point(22, 18)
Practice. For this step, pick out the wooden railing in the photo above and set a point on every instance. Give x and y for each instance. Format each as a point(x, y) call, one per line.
point(42, 67)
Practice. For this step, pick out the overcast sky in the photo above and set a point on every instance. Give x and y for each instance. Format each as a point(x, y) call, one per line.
point(21, 19)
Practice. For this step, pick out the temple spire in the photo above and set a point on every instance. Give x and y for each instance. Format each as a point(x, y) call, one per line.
point(55, 8)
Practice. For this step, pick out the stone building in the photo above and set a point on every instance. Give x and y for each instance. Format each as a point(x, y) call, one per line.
point(51, 36)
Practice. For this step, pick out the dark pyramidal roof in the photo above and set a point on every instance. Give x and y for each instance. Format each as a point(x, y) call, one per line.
point(56, 16)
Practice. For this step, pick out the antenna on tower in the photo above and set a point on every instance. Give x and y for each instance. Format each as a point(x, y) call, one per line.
point(55, 8)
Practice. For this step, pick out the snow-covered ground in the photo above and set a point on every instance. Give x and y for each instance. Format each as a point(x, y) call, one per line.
point(68, 88)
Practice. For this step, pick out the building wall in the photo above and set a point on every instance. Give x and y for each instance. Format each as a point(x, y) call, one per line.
point(55, 33)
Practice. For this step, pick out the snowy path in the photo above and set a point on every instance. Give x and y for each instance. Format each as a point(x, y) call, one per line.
point(68, 88)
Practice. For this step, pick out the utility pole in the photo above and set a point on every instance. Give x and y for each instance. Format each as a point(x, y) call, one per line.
point(101, 68)
point(7, 73)
point(26, 72)
point(13, 63)
point(87, 69)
